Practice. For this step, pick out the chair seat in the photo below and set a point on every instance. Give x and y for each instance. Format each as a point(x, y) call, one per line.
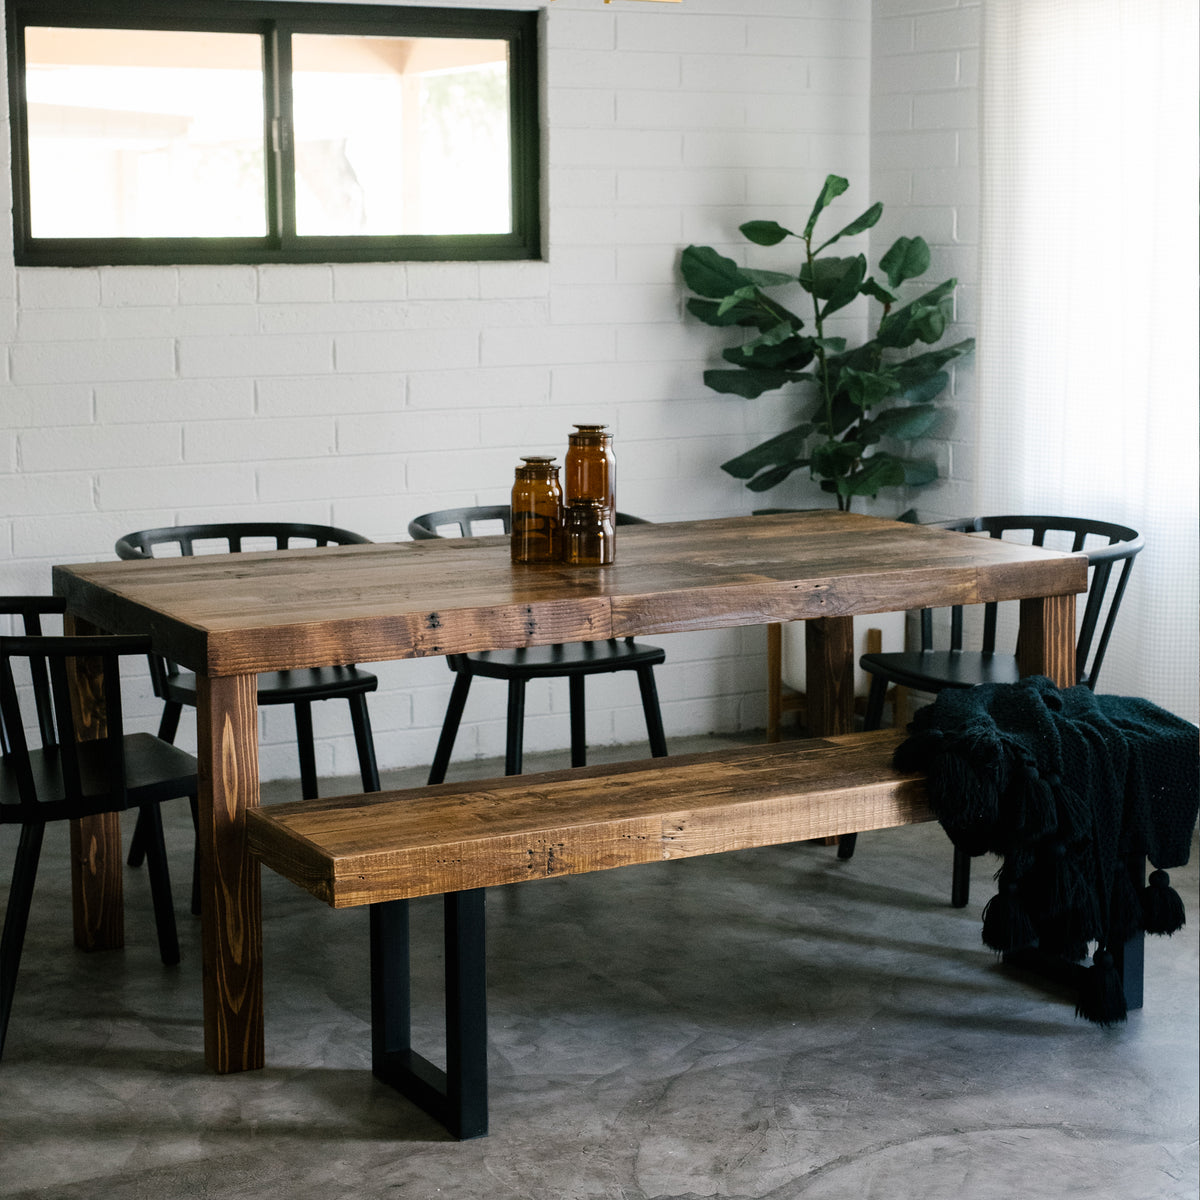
point(154, 771)
point(570, 658)
point(933, 670)
point(286, 687)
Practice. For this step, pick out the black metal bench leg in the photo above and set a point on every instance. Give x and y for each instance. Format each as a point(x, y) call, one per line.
point(457, 1097)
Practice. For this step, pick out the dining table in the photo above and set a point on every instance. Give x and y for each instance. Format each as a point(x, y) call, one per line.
point(229, 616)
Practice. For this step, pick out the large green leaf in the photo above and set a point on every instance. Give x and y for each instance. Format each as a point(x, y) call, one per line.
point(711, 274)
point(874, 288)
point(906, 422)
point(879, 471)
point(915, 370)
point(823, 277)
point(775, 476)
point(923, 319)
point(784, 448)
point(858, 225)
point(867, 388)
point(923, 390)
point(751, 315)
point(834, 459)
point(834, 186)
point(907, 258)
point(765, 233)
point(767, 278)
point(918, 471)
point(778, 347)
point(749, 383)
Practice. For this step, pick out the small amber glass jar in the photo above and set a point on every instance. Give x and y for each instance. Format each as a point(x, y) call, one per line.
point(591, 469)
point(536, 535)
point(588, 536)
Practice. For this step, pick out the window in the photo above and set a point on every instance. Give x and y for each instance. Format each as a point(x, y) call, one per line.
point(245, 131)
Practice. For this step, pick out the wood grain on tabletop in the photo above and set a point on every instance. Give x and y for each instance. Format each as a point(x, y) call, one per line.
point(269, 610)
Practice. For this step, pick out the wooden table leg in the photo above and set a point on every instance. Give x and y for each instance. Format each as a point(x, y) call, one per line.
point(1046, 644)
point(230, 893)
point(829, 675)
point(97, 895)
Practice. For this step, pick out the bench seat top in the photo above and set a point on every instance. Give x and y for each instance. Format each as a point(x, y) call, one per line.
point(379, 846)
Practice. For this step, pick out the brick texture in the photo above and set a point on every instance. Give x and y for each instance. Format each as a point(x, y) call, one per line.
point(363, 394)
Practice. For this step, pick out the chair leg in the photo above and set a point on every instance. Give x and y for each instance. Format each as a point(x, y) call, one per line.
point(306, 749)
point(20, 894)
point(454, 712)
point(168, 726)
point(137, 844)
point(515, 738)
point(160, 884)
point(575, 684)
point(650, 706)
point(194, 805)
point(960, 884)
point(360, 718)
point(873, 718)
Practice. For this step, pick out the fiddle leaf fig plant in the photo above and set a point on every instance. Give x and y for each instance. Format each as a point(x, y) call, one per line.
point(861, 395)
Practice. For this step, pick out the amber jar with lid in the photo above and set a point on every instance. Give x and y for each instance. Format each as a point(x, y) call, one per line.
point(536, 534)
point(588, 535)
point(591, 469)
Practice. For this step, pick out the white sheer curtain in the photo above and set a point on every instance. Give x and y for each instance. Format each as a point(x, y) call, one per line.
point(1087, 384)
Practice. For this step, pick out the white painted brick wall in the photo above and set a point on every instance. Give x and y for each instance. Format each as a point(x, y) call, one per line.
point(364, 394)
point(924, 134)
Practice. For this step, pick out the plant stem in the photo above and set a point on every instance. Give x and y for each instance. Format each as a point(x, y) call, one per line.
point(820, 349)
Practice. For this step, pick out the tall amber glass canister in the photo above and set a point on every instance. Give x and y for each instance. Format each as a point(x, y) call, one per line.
point(537, 503)
point(591, 472)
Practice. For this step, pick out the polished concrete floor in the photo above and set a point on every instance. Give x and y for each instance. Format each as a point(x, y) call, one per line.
point(770, 1023)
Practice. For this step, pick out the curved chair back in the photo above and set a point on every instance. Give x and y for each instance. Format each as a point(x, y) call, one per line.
point(469, 520)
point(233, 534)
point(1104, 543)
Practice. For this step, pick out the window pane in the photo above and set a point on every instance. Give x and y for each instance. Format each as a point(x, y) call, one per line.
point(140, 133)
point(401, 135)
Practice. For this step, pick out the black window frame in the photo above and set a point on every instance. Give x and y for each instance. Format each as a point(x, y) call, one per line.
point(274, 20)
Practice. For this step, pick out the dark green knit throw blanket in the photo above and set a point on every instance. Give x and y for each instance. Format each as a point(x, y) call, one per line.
point(1069, 789)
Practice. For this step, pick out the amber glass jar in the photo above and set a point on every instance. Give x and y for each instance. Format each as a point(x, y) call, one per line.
point(591, 470)
point(536, 512)
point(588, 536)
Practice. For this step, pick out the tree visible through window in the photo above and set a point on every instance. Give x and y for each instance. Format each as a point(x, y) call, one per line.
point(217, 131)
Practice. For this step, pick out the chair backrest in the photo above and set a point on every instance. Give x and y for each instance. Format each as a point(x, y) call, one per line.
point(230, 537)
point(1105, 545)
point(469, 521)
point(31, 610)
point(40, 667)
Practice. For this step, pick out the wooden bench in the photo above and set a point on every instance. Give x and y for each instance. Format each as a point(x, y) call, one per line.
point(454, 839)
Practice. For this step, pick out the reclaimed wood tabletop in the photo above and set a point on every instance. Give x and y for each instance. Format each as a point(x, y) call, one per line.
point(228, 617)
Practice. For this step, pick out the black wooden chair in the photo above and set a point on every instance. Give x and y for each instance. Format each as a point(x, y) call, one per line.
point(299, 688)
point(61, 778)
point(574, 661)
point(933, 670)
